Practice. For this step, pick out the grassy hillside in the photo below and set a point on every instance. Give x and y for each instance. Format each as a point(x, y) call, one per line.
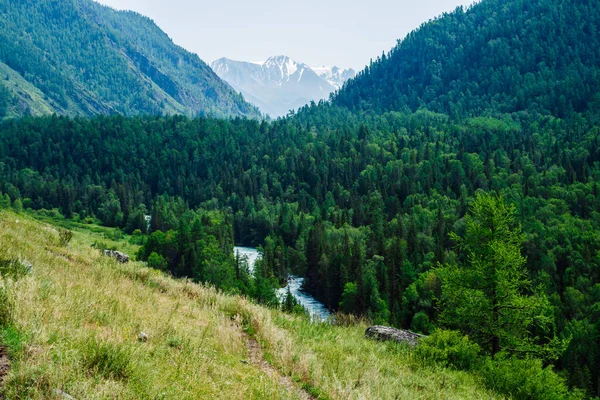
point(82, 58)
point(75, 318)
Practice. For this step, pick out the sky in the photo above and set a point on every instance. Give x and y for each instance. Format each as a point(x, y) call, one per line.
point(346, 33)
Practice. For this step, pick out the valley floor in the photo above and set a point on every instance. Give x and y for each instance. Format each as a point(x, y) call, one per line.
point(72, 325)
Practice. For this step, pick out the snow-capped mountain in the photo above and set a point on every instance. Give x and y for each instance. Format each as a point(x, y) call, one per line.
point(334, 75)
point(279, 84)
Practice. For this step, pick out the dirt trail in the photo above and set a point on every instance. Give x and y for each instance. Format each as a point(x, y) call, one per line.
point(256, 358)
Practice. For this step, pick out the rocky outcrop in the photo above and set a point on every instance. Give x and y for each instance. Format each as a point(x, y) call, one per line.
point(397, 335)
point(117, 255)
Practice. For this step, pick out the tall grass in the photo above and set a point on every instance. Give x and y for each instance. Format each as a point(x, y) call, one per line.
point(79, 314)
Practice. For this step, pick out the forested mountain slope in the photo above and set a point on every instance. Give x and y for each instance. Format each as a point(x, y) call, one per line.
point(362, 202)
point(82, 58)
point(497, 55)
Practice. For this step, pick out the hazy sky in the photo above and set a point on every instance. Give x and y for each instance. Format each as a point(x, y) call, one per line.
point(346, 33)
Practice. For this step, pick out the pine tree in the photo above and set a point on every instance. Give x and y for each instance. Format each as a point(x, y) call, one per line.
point(489, 296)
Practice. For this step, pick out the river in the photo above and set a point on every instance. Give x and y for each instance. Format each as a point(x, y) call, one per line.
point(316, 309)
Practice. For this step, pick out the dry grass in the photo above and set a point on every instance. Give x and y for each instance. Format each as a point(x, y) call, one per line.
point(78, 316)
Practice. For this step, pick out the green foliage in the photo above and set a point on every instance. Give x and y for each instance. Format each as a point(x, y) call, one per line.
point(109, 210)
point(485, 57)
point(449, 349)
point(136, 221)
point(157, 261)
point(64, 237)
point(421, 323)
point(290, 304)
point(18, 206)
point(525, 379)
point(349, 298)
point(490, 296)
point(13, 339)
point(12, 268)
point(90, 59)
point(4, 201)
point(109, 360)
point(369, 198)
point(330, 203)
point(5, 100)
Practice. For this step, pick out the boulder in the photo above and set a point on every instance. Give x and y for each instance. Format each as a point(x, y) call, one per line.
point(117, 255)
point(397, 335)
point(63, 395)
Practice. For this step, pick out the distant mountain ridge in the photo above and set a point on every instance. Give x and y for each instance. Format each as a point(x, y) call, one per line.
point(334, 75)
point(536, 55)
point(80, 58)
point(280, 84)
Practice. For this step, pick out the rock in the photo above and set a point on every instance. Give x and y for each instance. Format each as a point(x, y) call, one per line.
point(63, 395)
point(143, 337)
point(397, 335)
point(117, 255)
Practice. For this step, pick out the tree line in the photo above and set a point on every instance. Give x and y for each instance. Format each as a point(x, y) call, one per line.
point(362, 207)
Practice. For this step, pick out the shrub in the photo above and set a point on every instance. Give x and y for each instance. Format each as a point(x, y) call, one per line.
point(157, 261)
point(116, 234)
point(64, 237)
point(13, 268)
point(18, 206)
point(137, 237)
point(449, 349)
point(53, 213)
point(421, 323)
point(13, 339)
point(525, 379)
point(109, 360)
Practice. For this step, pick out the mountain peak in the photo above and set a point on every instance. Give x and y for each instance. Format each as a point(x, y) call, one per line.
point(280, 83)
point(336, 76)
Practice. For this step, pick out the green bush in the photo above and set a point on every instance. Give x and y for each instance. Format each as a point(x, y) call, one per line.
point(137, 237)
point(53, 213)
point(525, 379)
point(109, 360)
point(18, 206)
point(12, 268)
point(116, 234)
point(421, 323)
point(449, 349)
point(64, 237)
point(13, 339)
point(157, 261)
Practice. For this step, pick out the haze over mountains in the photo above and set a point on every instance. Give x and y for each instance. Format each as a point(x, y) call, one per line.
point(83, 59)
point(280, 84)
